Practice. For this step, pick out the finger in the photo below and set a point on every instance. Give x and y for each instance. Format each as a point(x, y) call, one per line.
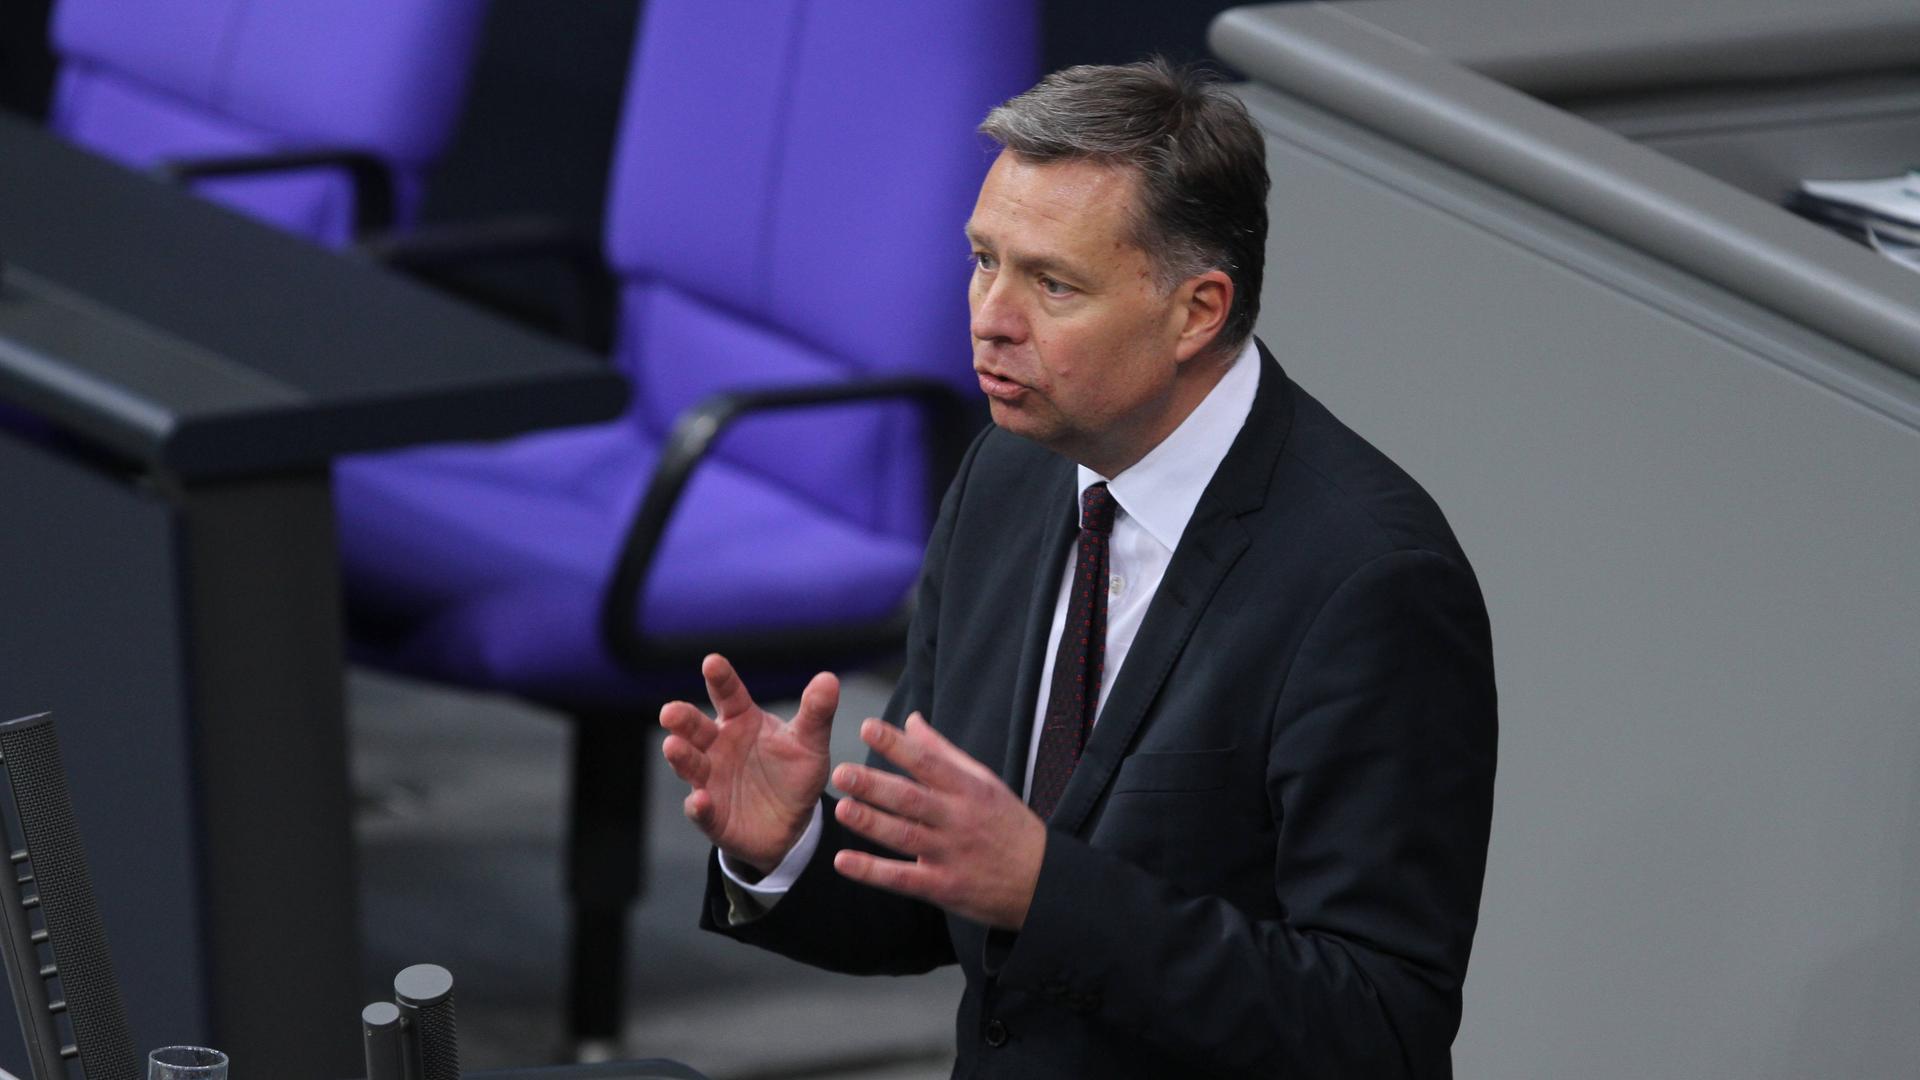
point(813, 723)
point(688, 763)
point(963, 763)
point(698, 806)
point(918, 729)
point(903, 835)
point(893, 875)
point(894, 794)
point(687, 721)
point(934, 762)
point(724, 688)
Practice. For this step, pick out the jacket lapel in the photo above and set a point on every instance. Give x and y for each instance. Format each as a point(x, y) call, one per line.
point(1214, 540)
point(1063, 524)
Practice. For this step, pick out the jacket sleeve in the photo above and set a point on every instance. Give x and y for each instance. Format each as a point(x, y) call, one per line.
point(826, 920)
point(1379, 774)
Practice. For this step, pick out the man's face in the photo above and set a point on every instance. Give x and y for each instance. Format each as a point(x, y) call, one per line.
point(1076, 345)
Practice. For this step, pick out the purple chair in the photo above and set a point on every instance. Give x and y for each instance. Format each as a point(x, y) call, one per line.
point(318, 116)
point(785, 222)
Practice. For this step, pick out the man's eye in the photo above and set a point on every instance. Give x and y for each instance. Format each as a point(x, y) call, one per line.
point(983, 260)
point(1055, 288)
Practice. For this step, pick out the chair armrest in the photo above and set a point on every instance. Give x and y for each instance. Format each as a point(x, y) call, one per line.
point(433, 254)
point(372, 180)
point(497, 240)
point(951, 418)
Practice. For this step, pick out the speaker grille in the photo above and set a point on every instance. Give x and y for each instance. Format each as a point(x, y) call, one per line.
point(439, 1042)
point(30, 752)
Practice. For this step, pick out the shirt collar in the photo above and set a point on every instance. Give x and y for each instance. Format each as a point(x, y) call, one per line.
point(1161, 489)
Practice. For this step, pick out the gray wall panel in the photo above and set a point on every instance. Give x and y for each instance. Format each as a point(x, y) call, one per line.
point(1697, 525)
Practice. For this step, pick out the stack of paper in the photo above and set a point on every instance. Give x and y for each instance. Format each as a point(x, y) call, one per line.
point(1884, 214)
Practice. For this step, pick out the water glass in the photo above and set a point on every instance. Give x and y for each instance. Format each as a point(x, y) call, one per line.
point(186, 1063)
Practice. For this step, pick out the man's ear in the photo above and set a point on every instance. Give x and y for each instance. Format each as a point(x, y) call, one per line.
point(1205, 301)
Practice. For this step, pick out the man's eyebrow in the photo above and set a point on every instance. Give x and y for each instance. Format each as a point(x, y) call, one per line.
point(1033, 264)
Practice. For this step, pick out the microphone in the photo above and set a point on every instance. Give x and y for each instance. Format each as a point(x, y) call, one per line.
point(424, 993)
point(386, 1045)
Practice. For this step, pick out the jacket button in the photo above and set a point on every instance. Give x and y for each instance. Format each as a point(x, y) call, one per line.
point(996, 1033)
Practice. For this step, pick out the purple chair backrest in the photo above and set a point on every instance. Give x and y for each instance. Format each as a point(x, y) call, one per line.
point(143, 81)
point(787, 205)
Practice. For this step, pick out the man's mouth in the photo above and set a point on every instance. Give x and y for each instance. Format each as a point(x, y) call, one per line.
point(998, 386)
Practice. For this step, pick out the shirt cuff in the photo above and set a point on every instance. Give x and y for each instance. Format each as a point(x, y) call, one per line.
point(768, 890)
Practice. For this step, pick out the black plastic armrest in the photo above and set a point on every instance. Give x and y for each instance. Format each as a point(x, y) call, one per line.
point(951, 420)
point(496, 240)
point(372, 180)
point(433, 254)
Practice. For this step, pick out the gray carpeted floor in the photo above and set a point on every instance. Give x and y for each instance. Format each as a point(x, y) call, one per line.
point(459, 830)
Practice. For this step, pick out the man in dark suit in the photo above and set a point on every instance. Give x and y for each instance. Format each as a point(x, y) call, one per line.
point(1190, 767)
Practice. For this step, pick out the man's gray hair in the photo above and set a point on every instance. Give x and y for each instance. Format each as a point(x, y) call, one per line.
point(1199, 161)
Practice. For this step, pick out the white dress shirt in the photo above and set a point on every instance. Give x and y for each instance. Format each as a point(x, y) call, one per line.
point(1155, 499)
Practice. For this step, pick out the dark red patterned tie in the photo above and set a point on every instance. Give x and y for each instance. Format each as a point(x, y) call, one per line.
point(1075, 695)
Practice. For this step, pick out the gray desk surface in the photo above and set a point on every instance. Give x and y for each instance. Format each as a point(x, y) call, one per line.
point(189, 339)
point(1556, 48)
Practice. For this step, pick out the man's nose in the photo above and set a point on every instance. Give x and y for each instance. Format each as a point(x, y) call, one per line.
point(996, 313)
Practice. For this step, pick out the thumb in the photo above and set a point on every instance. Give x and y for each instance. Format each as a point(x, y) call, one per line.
point(813, 723)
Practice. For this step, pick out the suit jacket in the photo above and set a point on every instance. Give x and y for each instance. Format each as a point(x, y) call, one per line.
point(1268, 860)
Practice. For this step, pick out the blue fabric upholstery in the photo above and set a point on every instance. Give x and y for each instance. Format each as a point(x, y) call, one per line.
point(147, 81)
point(791, 182)
point(509, 549)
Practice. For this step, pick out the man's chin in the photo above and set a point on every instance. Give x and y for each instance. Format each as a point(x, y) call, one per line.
point(1007, 417)
point(1014, 419)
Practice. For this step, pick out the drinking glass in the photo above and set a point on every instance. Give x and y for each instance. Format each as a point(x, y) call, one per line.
point(186, 1063)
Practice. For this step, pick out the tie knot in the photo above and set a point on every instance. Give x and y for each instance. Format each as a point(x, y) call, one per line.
point(1096, 509)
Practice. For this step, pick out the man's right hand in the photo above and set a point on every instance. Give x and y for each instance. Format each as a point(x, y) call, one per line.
point(755, 777)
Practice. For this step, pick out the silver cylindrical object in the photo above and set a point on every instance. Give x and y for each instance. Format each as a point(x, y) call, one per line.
point(424, 993)
point(386, 1044)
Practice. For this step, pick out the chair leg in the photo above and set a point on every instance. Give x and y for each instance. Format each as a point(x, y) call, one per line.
point(605, 868)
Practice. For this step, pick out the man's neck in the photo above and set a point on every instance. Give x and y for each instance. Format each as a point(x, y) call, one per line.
point(1161, 490)
point(1196, 379)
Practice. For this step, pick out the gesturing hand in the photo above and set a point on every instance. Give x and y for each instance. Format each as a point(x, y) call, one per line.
point(755, 778)
point(975, 847)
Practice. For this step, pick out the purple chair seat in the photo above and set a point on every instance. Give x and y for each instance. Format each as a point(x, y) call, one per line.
point(491, 561)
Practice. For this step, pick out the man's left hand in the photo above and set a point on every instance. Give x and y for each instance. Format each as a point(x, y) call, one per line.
point(975, 846)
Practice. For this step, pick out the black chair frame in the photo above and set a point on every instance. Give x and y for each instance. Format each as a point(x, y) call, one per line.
point(372, 179)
